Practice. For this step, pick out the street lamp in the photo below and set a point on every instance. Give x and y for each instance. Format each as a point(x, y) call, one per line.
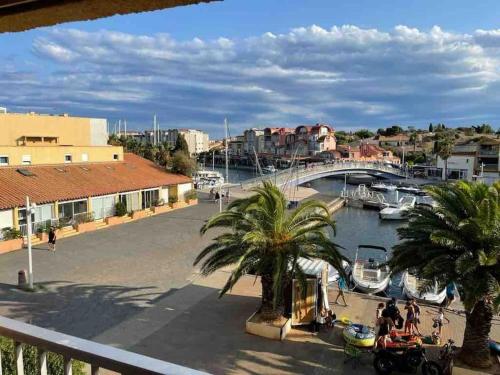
point(29, 210)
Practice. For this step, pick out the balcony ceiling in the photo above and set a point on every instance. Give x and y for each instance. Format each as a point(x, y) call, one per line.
point(21, 15)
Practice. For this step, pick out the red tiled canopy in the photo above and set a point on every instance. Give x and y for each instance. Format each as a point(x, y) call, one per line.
point(76, 181)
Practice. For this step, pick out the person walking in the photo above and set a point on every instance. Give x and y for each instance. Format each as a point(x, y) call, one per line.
point(217, 197)
point(450, 294)
point(52, 239)
point(342, 285)
point(416, 320)
point(439, 321)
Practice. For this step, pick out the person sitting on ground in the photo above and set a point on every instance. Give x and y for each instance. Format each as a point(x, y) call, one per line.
point(439, 321)
point(330, 319)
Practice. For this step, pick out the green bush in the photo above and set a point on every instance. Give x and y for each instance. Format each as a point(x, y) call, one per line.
point(172, 200)
point(11, 234)
point(120, 209)
point(191, 194)
point(55, 362)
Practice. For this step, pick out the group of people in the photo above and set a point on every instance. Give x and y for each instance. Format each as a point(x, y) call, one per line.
point(324, 319)
point(388, 317)
point(215, 195)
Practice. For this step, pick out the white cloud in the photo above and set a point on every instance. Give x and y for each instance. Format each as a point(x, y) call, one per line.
point(347, 75)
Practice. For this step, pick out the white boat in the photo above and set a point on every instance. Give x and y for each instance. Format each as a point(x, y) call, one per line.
point(400, 211)
point(380, 186)
point(411, 285)
point(269, 169)
point(410, 190)
point(369, 275)
point(205, 178)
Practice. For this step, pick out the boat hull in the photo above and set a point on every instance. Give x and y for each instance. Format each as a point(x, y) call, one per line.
point(371, 287)
point(392, 214)
point(427, 297)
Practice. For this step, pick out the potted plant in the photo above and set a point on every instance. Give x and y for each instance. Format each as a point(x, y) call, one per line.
point(160, 206)
point(191, 197)
point(120, 212)
point(174, 202)
point(86, 223)
point(12, 240)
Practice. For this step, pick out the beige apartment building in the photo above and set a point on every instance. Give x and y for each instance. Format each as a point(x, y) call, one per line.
point(196, 140)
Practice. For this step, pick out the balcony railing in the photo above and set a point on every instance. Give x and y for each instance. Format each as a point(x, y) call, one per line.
point(38, 225)
point(98, 356)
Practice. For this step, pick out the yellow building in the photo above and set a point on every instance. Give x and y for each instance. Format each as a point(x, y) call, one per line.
point(34, 139)
point(65, 166)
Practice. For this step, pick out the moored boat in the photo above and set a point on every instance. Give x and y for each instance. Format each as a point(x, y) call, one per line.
point(205, 178)
point(412, 284)
point(368, 274)
point(400, 211)
point(380, 186)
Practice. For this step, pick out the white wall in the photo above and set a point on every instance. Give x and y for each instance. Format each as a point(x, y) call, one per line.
point(6, 219)
point(164, 194)
point(98, 132)
point(462, 162)
point(183, 189)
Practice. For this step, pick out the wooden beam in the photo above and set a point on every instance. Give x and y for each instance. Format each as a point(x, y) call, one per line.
point(21, 15)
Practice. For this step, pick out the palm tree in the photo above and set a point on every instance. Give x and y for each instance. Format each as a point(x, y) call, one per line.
point(459, 241)
point(444, 148)
point(263, 237)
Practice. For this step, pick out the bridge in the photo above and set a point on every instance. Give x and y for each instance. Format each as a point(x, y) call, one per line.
point(301, 174)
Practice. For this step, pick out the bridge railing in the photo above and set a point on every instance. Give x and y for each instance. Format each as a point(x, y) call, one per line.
point(290, 176)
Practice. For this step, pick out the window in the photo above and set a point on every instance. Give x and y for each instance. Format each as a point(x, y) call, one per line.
point(26, 160)
point(85, 157)
point(4, 160)
point(115, 156)
point(68, 158)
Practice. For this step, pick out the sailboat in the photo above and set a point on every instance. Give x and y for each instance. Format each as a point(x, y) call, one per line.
point(368, 274)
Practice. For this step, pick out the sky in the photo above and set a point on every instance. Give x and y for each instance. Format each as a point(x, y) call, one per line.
point(349, 63)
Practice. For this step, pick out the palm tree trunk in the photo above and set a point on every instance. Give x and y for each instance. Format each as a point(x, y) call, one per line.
point(267, 309)
point(475, 349)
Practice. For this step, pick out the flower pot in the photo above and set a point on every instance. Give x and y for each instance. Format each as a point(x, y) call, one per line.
point(175, 205)
point(10, 245)
point(161, 209)
point(139, 214)
point(192, 201)
point(86, 227)
point(114, 220)
point(43, 237)
point(271, 330)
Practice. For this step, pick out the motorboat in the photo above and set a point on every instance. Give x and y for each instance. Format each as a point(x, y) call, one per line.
point(205, 178)
point(411, 284)
point(269, 169)
point(410, 190)
point(370, 275)
point(400, 211)
point(380, 186)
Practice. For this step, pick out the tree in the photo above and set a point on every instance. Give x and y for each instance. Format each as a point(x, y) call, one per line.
point(181, 144)
point(183, 164)
point(483, 129)
point(163, 156)
point(263, 237)
point(363, 134)
point(431, 128)
point(443, 147)
point(459, 241)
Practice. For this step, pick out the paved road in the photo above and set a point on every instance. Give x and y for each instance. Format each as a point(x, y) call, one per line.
point(96, 280)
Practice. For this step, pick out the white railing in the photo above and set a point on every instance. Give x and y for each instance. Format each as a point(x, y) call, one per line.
point(23, 228)
point(302, 172)
point(98, 356)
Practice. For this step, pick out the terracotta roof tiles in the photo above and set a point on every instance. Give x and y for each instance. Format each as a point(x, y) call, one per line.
point(51, 183)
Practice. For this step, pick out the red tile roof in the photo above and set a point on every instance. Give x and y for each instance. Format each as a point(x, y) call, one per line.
point(65, 182)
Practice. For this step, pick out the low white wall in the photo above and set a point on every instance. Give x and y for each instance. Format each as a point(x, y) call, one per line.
point(6, 219)
point(183, 189)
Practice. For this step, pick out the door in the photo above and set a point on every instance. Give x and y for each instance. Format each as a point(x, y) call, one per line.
point(103, 207)
point(304, 307)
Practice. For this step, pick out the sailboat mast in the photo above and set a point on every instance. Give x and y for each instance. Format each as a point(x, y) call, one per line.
point(227, 160)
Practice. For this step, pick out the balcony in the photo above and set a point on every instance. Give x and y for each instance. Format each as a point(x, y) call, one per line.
point(98, 356)
point(489, 152)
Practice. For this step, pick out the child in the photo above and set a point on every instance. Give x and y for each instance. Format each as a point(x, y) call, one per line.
point(439, 321)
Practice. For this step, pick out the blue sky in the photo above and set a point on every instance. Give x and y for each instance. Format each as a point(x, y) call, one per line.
point(282, 62)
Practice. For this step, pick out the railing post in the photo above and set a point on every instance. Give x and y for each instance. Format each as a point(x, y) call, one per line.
point(42, 360)
point(68, 368)
point(19, 358)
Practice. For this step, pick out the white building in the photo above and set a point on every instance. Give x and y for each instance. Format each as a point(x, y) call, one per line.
point(196, 140)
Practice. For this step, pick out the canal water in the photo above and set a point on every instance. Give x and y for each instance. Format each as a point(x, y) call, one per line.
point(358, 226)
point(354, 226)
